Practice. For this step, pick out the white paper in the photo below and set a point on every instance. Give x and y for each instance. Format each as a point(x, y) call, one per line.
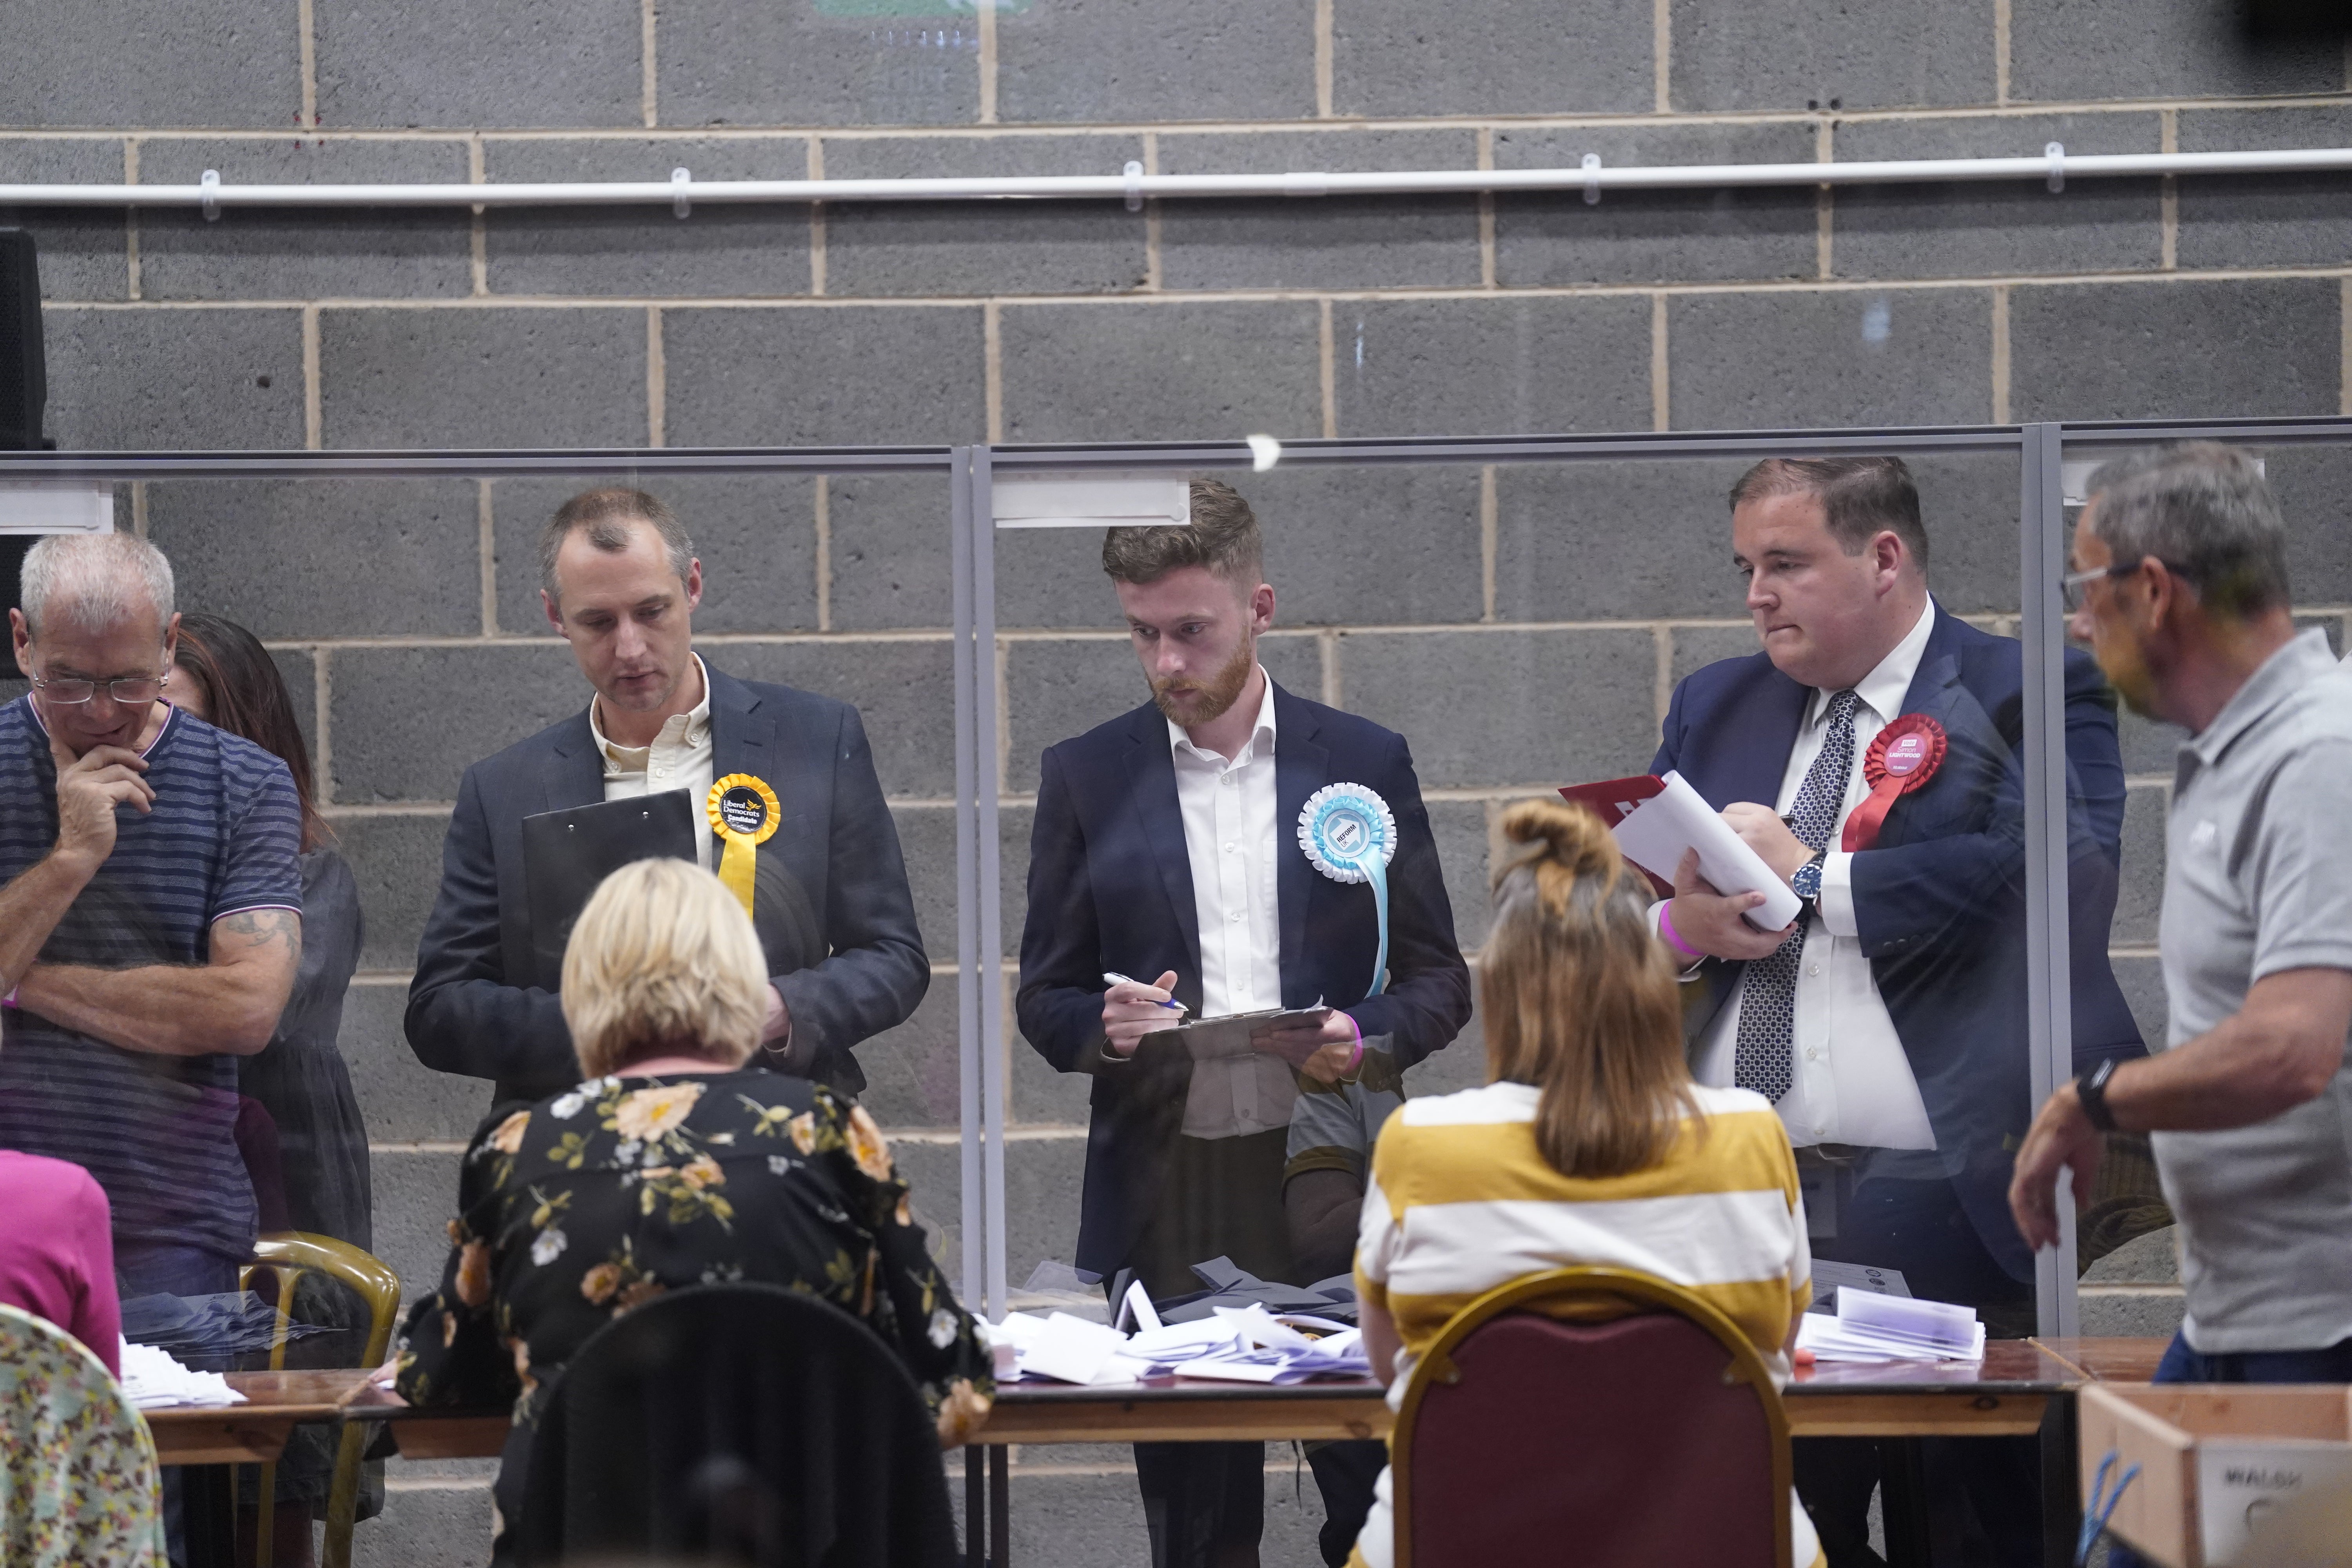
point(1832, 1279)
point(1070, 1350)
point(1136, 1308)
point(152, 1377)
point(1657, 831)
point(1937, 1326)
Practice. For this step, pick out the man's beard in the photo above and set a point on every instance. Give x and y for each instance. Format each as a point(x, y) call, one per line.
point(1220, 694)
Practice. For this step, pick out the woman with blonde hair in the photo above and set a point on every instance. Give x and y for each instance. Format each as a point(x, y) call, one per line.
point(1589, 1144)
point(674, 1165)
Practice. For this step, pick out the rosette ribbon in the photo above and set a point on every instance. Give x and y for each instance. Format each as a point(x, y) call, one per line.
point(1349, 835)
point(743, 812)
point(1905, 756)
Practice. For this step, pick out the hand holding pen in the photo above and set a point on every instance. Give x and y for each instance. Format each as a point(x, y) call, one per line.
point(1132, 1009)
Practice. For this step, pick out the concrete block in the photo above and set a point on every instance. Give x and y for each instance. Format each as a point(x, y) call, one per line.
point(1060, 688)
point(1041, 1096)
point(909, 62)
point(1508, 709)
point(2074, 49)
point(416, 1193)
point(1695, 647)
point(906, 691)
point(1968, 503)
point(2123, 350)
point(755, 535)
point(2313, 486)
point(2150, 1260)
point(175, 379)
point(2263, 220)
point(298, 669)
point(2148, 748)
point(237, 62)
point(1043, 1173)
point(2128, 1311)
point(2139, 896)
point(735, 251)
point(398, 734)
point(1491, 366)
point(444, 62)
point(433, 1524)
point(1748, 362)
point(1323, 242)
point(2142, 980)
point(1127, 61)
point(303, 253)
point(1651, 237)
point(401, 1099)
point(927, 840)
point(1974, 230)
point(914, 1073)
point(84, 251)
point(1393, 58)
point(891, 558)
point(2331, 623)
point(277, 556)
point(1160, 372)
point(936, 248)
point(396, 860)
point(1464, 850)
point(1819, 53)
point(886, 375)
point(1053, 578)
point(1615, 541)
point(497, 377)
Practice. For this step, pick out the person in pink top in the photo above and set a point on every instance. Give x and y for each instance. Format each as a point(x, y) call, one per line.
point(56, 1251)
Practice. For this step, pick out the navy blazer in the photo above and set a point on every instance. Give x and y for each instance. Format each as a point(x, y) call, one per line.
point(1939, 901)
point(1111, 887)
point(832, 906)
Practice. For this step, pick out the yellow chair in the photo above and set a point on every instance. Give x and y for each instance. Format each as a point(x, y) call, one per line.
point(288, 1254)
point(1600, 1406)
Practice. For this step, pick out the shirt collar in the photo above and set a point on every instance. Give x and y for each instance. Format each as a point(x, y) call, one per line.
point(1261, 741)
point(690, 729)
point(2306, 658)
point(1884, 689)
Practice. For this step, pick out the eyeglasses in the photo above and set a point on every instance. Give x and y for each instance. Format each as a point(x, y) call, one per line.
point(2072, 587)
point(129, 691)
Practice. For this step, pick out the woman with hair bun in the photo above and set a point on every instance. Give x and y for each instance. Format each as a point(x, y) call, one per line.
point(1590, 1143)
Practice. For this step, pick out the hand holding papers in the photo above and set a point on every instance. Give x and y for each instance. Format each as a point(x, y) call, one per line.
point(1239, 1033)
point(1657, 821)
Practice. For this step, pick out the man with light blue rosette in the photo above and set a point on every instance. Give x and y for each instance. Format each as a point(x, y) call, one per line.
point(1237, 849)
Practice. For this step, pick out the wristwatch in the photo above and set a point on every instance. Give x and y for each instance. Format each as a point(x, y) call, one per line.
point(1807, 882)
point(2090, 1094)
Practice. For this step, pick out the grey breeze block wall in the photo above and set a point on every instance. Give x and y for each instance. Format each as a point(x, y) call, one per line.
point(1522, 626)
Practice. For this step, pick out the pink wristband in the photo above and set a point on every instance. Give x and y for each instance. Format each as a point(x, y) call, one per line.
point(1666, 930)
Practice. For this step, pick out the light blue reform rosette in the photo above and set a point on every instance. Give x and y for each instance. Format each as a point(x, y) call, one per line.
point(1349, 835)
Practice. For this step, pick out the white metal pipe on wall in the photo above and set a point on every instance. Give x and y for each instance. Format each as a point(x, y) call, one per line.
point(2054, 166)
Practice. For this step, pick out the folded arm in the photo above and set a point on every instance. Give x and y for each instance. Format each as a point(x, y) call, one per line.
point(229, 1006)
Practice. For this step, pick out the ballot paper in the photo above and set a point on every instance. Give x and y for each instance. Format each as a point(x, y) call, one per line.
point(1832, 1277)
point(1656, 821)
point(1873, 1328)
point(1240, 1345)
point(151, 1378)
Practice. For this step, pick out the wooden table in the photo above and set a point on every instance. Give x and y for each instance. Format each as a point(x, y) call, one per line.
point(253, 1433)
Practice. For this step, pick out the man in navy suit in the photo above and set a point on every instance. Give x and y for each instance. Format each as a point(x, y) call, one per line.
point(830, 900)
point(1166, 848)
point(1888, 1023)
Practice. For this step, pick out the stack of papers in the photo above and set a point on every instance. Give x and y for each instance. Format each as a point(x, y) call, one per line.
point(1244, 1344)
point(150, 1378)
point(1892, 1328)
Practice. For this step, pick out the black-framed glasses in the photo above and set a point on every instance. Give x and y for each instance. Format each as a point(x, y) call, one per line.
point(2071, 586)
point(130, 689)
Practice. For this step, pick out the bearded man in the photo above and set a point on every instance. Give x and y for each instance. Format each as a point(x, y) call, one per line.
point(1166, 847)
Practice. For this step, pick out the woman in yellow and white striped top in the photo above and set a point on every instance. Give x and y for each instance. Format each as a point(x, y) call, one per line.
point(1589, 1144)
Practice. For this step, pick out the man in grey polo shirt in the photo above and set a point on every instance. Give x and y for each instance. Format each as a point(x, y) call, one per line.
point(2179, 585)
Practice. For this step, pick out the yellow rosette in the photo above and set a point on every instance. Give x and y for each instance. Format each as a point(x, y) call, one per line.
point(743, 812)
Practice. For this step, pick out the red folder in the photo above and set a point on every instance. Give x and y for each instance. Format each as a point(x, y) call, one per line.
point(1613, 801)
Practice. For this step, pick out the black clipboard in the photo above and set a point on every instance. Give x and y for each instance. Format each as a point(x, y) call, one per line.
point(567, 854)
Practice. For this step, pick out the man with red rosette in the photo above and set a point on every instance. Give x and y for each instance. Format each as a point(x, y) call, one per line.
point(1873, 754)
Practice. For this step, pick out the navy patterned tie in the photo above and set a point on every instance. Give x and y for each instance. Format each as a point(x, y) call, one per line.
point(1767, 1005)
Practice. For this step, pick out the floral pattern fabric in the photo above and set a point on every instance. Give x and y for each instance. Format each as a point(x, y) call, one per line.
point(78, 1475)
point(600, 1198)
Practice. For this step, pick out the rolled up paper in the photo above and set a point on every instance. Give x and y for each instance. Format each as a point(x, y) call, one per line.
point(1905, 756)
point(1349, 834)
point(743, 812)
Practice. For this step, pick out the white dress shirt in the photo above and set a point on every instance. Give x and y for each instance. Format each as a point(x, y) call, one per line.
point(1851, 1082)
point(680, 757)
point(1231, 840)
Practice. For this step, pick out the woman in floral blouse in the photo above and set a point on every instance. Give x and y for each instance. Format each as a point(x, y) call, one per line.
point(673, 1165)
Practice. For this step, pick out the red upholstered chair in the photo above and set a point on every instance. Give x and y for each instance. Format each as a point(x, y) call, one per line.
point(1645, 1439)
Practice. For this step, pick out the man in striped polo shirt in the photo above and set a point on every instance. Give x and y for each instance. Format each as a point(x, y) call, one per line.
point(150, 915)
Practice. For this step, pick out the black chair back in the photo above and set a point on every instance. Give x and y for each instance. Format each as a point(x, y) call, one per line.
point(737, 1425)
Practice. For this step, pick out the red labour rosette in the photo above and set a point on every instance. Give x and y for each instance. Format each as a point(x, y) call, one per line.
point(1905, 756)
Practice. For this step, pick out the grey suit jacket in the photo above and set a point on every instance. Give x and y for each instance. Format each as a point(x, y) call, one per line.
point(832, 906)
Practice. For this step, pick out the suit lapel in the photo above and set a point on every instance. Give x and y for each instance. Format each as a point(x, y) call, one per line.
point(571, 773)
point(742, 734)
point(1750, 754)
point(1301, 766)
point(1151, 792)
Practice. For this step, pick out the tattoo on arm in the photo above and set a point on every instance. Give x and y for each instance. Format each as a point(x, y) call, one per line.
point(266, 928)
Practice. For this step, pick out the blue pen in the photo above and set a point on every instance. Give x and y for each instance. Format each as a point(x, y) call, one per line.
point(1112, 978)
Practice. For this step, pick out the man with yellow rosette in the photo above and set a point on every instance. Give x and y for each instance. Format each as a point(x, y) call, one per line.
point(827, 895)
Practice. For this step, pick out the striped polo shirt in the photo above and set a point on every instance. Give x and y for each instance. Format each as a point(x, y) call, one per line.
point(156, 1131)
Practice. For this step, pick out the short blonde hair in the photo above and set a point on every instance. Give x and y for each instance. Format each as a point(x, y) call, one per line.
point(663, 961)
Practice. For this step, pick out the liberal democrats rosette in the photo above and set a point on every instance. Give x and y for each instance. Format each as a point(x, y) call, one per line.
point(1349, 835)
